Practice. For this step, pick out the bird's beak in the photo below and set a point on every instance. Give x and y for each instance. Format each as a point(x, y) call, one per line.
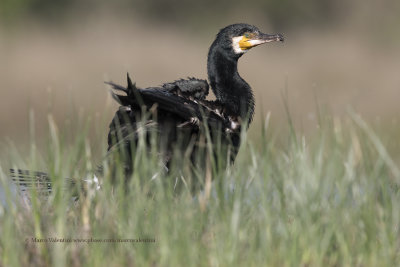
point(262, 38)
point(266, 38)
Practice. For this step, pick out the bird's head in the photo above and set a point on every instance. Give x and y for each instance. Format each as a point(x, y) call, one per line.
point(237, 39)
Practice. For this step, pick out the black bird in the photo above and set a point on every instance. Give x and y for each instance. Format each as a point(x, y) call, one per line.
point(180, 116)
point(183, 115)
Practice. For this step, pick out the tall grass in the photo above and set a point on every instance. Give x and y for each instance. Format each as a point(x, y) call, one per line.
point(331, 199)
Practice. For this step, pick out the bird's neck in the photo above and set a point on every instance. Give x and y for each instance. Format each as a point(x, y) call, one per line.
point(229, 88)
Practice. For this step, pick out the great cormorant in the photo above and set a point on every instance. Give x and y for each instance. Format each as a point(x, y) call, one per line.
point(180, 107)
point(180, 114)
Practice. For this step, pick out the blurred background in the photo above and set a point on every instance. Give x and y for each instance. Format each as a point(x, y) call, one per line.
point(55, 55)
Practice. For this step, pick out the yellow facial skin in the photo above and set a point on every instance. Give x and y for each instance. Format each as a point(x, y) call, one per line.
point(244, 43)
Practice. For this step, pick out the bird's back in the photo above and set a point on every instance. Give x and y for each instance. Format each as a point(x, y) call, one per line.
point(178, 118)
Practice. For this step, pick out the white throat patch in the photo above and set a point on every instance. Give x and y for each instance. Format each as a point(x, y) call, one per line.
point(236, 46)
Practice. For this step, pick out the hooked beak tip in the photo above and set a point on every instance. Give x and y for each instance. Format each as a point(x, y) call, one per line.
point(272, 38)
point(280, 38)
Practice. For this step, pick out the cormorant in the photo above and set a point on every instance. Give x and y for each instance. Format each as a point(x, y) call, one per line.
point(181, 111)
point(181, 117)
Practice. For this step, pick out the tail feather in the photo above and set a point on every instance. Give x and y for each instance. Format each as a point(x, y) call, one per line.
point(131, 91)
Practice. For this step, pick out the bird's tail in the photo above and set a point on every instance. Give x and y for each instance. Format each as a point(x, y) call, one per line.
point(131, 91)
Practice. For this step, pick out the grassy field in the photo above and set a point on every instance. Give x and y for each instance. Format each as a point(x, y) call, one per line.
point(331, 198)
point(315, 188)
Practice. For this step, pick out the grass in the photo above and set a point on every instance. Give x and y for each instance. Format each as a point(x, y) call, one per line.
point(331, 199)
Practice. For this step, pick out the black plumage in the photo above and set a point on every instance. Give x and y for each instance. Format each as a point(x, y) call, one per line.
point(177, 113)
point(178, 118)
point(181, 113)
point(191, 88)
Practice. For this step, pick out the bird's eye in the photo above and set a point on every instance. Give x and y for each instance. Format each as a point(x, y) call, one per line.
point(249, 35)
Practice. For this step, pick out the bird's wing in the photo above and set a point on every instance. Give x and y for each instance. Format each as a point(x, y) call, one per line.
point(191, 88)
point(167, 101)
point(174, 113)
